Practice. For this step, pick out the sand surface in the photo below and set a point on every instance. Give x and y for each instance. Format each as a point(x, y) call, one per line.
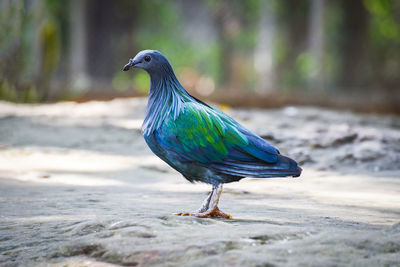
point(79, 187)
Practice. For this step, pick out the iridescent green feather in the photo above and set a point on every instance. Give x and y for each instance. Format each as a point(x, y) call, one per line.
point(207, 132)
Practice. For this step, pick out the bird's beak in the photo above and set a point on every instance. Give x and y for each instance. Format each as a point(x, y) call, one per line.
point(131, 64)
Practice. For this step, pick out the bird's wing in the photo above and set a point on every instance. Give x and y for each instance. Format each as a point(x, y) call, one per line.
point(211, 138)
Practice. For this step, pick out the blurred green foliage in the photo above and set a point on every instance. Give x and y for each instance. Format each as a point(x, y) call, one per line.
point(35, 44)
point(383, 27)
point(30, 49)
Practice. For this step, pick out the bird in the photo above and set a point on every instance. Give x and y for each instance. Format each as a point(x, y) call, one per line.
point(198, 140)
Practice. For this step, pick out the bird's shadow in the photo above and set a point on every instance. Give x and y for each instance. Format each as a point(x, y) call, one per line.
point(251, 221)
point(212, 220)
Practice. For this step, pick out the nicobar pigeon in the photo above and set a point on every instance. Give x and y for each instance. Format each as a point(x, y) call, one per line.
point(199, 141)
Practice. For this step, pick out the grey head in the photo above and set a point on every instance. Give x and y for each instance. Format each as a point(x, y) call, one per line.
point(150, 60)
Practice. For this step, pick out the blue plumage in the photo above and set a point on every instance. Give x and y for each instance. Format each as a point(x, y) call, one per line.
point(199, 141)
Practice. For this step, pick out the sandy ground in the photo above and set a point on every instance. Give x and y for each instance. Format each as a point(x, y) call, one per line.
point(79, 187)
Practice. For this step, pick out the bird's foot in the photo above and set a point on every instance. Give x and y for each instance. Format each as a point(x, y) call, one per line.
point(216, 212)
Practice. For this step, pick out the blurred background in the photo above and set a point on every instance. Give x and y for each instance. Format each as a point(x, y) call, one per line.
point(337, 53)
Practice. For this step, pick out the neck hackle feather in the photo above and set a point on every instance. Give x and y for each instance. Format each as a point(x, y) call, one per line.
point(166, 96)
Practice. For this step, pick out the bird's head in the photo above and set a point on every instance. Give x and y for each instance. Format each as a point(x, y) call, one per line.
point(149, 60)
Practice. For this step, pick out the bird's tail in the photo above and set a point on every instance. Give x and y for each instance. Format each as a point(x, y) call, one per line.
point(284, 167)
point(292, 167)
point(257, 168)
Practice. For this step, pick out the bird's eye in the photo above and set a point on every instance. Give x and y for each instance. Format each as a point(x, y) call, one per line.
point(147, 58)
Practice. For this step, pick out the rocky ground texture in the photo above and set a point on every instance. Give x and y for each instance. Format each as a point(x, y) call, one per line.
point(79, 187)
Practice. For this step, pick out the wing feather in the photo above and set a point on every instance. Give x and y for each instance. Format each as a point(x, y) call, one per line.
point(208, 137)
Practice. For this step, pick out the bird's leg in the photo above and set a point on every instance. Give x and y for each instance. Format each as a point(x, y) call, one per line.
point(213, 210)
point(203, 208)
point(206, 203)
point(210, 206)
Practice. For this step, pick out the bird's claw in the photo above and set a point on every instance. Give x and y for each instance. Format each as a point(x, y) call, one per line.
point(183, 214)
point(216, 213)
point(207, 214)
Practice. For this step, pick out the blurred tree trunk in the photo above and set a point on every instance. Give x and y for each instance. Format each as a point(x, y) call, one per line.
point(78, 48)
point(316, 44)
point(294, 18)
point(223, 19)
point(37, 53)
point(10, 40)
point(101, 29)
point(111, 27)
point(353, 44)
point(296, 15)
point(264, 52)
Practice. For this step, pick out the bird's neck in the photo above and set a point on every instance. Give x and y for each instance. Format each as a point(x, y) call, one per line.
point(166, 98)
